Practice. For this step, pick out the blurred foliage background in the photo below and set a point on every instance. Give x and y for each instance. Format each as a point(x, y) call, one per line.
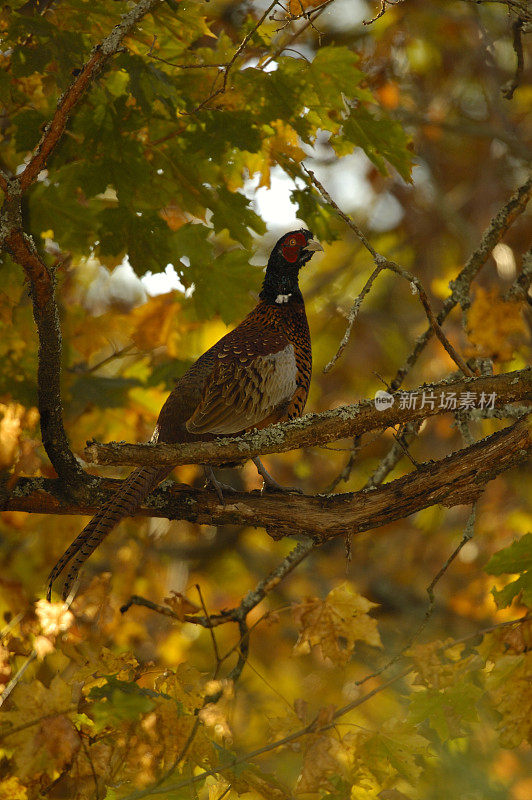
point(405, 122)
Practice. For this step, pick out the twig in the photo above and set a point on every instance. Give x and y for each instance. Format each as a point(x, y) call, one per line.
point(100, 54)
point(211, 630)
point(180, 66)
point(346, 471)
point(489, 629)
point(50, 715)
point(124, 351)
point(460, 294)
point(402, 446)
point(89, 759)
point(239, 613)
point(382, 11)
point(17, 678)
point(461, 284)
point(228, 67)
point(210, 621)
point(394, 455)
point(253, 597)
point(521, 286)
point(290, 41)
point(243, 651)
point(384, 263)
point(307, 14)
point(353, 314)
point(517, 28)
point(179, 757)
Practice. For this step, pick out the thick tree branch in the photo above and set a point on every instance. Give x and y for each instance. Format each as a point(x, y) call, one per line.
point(46, 316)
point(317, 429)
point(455, 480)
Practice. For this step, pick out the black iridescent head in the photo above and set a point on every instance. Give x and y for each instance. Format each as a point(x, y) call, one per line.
point(292, 251)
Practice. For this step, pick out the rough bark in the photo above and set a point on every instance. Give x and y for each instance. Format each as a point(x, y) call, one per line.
point(455, 480)
point(313, 429)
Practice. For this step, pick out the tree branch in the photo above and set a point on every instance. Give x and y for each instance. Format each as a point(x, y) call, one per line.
point(100, 54)
point(46, 316)
point(316, 429)
point(455, 480)
point(22, 248)
point(461, 284)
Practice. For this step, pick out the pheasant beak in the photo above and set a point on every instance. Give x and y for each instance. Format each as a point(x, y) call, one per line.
point(312, 246)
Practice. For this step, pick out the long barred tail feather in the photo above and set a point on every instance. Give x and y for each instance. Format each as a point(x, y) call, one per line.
point(122, 504)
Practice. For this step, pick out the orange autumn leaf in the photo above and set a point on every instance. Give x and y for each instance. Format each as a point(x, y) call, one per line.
point(298, 7)
point(388, 94)
point(155, 321)
point(506, 329)
point(180, 605)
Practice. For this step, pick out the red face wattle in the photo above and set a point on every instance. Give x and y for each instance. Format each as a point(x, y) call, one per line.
point(292, 245)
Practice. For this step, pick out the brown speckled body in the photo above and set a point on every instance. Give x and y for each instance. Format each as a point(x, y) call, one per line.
point(222, 371)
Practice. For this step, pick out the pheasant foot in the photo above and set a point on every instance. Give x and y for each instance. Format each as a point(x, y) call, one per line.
point(211, 481)
point(270, 484)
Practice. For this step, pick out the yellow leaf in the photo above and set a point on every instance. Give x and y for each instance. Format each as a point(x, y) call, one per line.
point(510, 687)
point(174, 217)
point(365, 786)
point(180, 605)
point(336, 623)
point(495, 326)
point(49, 744)
point(284, 143)
point(436, 668)
point(13, 418)
point(12, 789)
point(156, 322)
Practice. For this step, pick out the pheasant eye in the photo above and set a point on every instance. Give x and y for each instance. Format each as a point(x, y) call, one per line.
point(292, 242)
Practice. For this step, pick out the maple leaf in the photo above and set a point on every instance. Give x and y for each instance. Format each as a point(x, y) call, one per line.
point(50, 743)
point(180, 605)
point(322, 760)
point(284, 144)
point(156, 322)
point(509, 684)
point(336, 624)
point(438, 666)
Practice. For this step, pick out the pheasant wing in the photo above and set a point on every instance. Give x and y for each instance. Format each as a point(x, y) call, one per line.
point(246, 386)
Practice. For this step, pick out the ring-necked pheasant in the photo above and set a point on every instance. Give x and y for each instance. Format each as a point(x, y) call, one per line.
point(256, 375)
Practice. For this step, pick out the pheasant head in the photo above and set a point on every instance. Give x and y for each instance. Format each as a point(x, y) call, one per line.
point(292, 251)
